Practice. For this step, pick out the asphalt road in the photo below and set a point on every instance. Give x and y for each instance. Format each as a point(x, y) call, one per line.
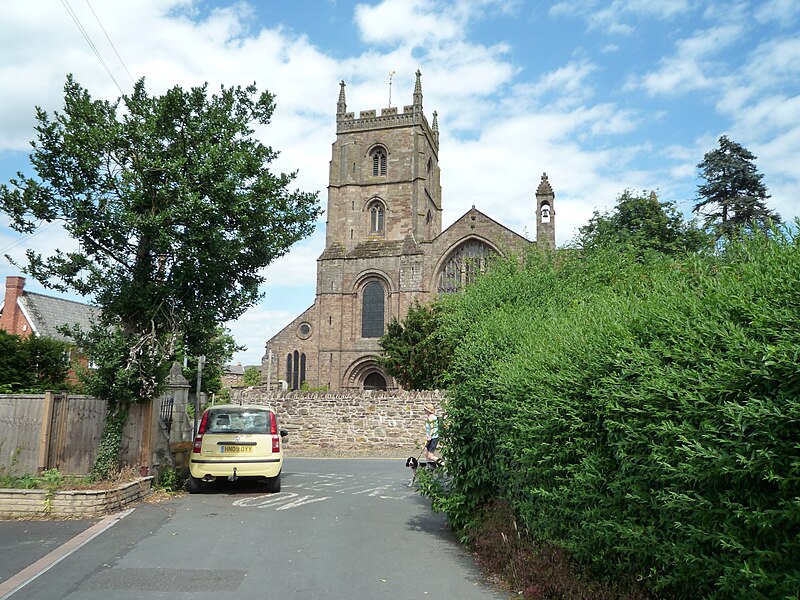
point(339, 529)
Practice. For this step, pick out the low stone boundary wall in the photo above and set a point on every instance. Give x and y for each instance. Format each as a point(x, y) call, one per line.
point(24, 504)
point(367, 422)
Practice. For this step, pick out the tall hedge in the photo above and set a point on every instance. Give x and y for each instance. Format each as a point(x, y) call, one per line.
point(643, 413)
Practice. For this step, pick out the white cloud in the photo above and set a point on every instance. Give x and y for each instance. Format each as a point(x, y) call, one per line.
point(692, 66)
point(615, 17)
point(423, 22)
point(784, 13)
point(408, 21)
point(569, 80)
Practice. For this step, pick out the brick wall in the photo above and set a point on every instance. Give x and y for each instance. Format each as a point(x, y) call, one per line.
point(12, 318)
point(367, 422)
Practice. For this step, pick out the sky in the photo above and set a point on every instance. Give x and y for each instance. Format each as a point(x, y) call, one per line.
point(603, 96)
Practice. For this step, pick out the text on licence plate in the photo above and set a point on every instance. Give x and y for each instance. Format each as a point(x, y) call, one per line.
point(235, 449)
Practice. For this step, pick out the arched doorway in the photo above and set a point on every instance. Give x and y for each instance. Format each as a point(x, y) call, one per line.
point(374, 381)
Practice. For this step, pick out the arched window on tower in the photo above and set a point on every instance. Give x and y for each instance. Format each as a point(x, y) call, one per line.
point(379, 162)
point(545, 212)
point(464, 265)
point(376, 217)
point(373, 300)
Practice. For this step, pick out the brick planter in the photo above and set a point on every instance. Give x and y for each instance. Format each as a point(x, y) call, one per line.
point(26, 504)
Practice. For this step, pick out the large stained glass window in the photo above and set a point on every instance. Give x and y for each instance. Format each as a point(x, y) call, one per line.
point(372, 310)
point(462, 267)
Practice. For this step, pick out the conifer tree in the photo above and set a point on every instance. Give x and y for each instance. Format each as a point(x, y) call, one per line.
point(733, 195)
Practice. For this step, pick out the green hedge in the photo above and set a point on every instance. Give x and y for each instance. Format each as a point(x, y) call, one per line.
point(643, 413)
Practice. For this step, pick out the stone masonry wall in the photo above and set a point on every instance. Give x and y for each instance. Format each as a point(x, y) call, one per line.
point(377, 423)
point(17, 503)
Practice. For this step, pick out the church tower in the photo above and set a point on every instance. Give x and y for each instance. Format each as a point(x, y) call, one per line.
point(545, 214)
point(385, 248)
point(384, 175)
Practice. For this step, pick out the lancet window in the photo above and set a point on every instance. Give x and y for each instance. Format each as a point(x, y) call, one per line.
point(376, 217)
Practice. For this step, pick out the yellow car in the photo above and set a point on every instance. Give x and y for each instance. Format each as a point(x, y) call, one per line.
point(237, 441)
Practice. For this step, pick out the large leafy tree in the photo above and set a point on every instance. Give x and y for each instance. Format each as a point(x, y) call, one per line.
point(414, 351)
point(175, 212)
point(733, 195)
point(643, 222)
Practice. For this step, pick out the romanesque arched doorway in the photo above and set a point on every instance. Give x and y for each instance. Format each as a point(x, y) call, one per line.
point(375, 381)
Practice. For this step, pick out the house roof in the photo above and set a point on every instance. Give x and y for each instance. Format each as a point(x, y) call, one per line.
point(234, 370)
point(46, 314)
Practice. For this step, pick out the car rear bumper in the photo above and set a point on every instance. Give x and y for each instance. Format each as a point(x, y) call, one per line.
point(252, 467)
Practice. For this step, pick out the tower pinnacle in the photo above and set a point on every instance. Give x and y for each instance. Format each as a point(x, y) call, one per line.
point(418, 91)
point(341, 105)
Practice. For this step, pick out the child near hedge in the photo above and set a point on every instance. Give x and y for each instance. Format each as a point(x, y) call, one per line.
point(431, 434)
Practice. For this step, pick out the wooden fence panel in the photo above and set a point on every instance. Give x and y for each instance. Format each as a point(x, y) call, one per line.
point(70, 440)
point(77, 425)
point(133, 434)
point(20, 424)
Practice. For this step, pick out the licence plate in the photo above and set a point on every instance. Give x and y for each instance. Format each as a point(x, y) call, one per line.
point(236, 449)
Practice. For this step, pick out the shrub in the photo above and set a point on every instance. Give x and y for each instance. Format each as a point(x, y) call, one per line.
point(641, 412)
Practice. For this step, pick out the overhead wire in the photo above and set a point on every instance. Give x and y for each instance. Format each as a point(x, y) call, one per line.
point(122, 62)
point(89, 41)
point(75, 19)
point(22, 240)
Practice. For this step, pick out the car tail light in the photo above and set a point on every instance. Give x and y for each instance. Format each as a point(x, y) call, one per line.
point(273, 429)
point(273, 424)
point(198, 441)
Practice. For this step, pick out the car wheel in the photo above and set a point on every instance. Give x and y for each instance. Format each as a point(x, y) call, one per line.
point(274, 484)
point(195, 485)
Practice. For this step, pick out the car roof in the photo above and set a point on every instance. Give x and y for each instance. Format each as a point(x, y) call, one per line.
point(241, 407)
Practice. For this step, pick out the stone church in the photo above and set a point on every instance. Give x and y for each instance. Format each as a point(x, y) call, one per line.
point(385, 248)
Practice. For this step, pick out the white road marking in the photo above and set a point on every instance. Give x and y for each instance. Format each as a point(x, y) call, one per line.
point(283, 501)
point(327, 484)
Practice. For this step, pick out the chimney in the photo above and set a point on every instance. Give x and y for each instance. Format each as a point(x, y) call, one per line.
point(12, 319)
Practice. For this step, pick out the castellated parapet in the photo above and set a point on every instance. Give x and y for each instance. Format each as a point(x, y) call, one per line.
point(369, 120)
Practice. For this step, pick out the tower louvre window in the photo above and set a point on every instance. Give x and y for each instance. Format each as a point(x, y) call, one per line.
point(379, 162)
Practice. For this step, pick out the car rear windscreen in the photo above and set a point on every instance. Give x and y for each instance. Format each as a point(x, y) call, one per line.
point(227, 420)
